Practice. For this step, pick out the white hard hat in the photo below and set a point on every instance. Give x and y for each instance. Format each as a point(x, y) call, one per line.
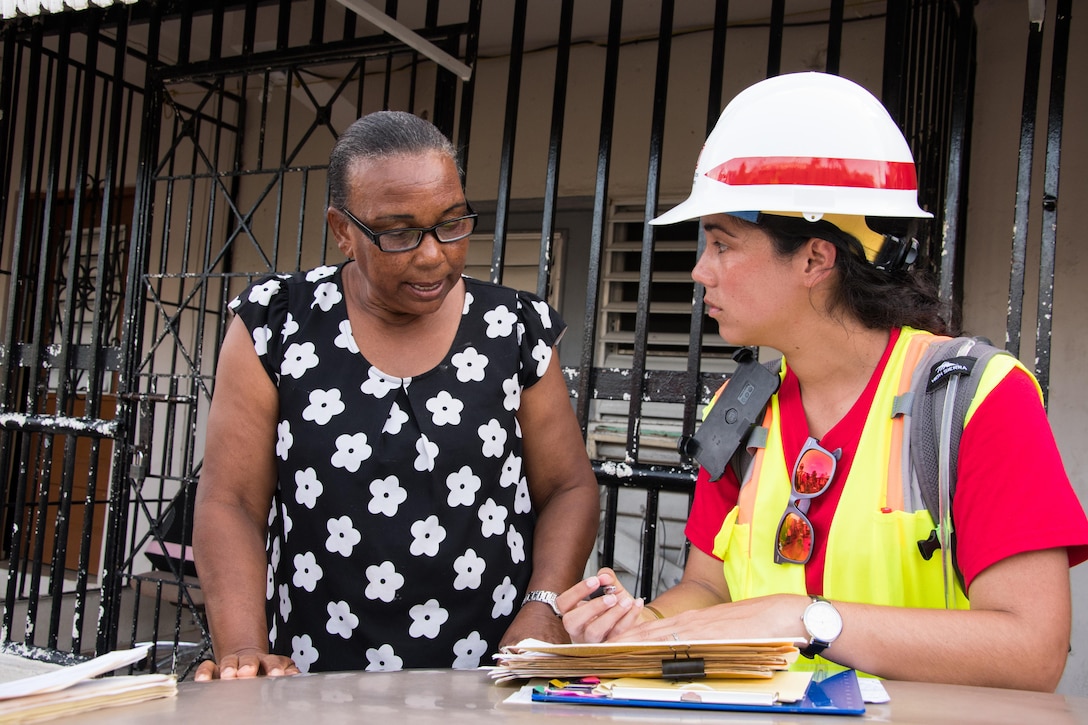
point(806, 144)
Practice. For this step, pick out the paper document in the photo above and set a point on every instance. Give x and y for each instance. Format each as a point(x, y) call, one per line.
point(73, 689)
point(781, 687)
point(68, 676)
point(691, 659)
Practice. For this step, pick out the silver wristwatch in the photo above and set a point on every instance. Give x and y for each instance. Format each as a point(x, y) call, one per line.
point(823, 624)
point(540, 595)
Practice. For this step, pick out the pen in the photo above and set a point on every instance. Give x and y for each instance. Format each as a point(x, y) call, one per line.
point(601, 591)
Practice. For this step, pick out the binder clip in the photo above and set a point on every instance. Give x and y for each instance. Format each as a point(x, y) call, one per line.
point(688, 668)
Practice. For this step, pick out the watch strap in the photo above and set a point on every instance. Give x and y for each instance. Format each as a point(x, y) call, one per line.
point(814, 647)
point(543, 596)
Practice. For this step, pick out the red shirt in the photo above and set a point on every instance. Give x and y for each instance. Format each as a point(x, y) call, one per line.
point(1007, 504)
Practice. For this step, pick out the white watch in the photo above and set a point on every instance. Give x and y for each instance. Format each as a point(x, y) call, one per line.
point(540, 595)
point(823, 624)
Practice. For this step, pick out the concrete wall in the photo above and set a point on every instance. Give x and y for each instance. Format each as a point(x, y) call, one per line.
point(1002, 47)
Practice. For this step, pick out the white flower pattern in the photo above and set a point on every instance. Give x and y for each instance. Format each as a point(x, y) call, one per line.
point(512, 388)
point(324, 404)
point(463, 485)
point(343, 536)
point(493, 436)
point(299, 358)
point(511, 471)
point(470, 365)
point(379, 384)
point(384, 581)
point(445, 409)
point(396, 420)
point(262, 293)
point(500, 322)
point(351, 451)
point(285, 602)
point(261, 336)
point(341, 619)
point(307, 487)
point(303, 652)
point(386, 496)
point(516, 542)
point(427, 536)
point(427, 619)
point(504, 596)
point(345, 340)
point(307, 571)
point(284, 439)
point(493, 518)
point(469, 650)
point(426, 453)
point(470, 568)
point(383, 659)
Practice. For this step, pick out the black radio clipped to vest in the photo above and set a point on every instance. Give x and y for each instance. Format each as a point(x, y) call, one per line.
point(728, 424)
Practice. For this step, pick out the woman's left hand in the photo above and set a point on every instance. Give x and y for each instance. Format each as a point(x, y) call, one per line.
point(602, 617)
point(777, 615)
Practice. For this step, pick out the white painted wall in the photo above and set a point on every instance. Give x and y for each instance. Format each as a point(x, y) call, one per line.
point(1002, 47)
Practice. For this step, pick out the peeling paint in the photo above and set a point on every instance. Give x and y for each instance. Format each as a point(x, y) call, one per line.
point(60, 424)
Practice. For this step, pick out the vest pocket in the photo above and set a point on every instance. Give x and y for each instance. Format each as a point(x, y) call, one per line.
point(885, 565)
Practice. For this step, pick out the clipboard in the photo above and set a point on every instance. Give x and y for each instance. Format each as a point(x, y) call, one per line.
point(838, 694)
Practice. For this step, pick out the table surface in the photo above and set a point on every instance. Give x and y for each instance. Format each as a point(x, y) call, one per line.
point(450, 696)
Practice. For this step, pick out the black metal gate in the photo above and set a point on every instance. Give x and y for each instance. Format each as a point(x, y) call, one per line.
point(111, 333)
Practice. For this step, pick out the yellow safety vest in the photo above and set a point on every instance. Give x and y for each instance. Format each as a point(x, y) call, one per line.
point(872, 550)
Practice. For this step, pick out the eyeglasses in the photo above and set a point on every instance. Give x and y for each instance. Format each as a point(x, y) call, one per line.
point(812, 476)
point(408, 238)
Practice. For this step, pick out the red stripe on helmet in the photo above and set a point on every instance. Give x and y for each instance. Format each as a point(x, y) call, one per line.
point(816, 171)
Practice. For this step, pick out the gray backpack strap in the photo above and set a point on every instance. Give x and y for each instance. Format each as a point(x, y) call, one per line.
point(952, 370)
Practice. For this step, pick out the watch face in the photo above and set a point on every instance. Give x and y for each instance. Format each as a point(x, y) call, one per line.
point(823, 621)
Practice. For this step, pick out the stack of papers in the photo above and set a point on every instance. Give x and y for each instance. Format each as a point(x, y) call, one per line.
point(734, 658)
point(780, 687)
point(73, 689)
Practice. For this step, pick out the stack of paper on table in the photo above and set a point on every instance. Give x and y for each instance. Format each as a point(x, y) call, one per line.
point(72, 689)
point(779, 687)
point(734, 658)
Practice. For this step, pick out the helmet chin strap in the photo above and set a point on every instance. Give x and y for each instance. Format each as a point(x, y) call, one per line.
point(896, 253)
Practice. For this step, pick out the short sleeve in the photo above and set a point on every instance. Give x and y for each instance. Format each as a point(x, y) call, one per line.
point(1020, 499)
point(263, 309)
point(540, 328)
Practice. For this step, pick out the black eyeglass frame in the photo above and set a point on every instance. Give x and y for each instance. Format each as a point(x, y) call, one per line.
point(798, 498)
point(376, 236)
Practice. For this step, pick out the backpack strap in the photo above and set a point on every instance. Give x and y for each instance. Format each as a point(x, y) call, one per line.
point(953, 369)
point(736, 411)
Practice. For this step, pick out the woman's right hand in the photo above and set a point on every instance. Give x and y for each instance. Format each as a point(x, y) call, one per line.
point(242, 665)
point(604, 617)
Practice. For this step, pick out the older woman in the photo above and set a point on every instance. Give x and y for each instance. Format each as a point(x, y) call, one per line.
point(806, 190)
point(393, 468)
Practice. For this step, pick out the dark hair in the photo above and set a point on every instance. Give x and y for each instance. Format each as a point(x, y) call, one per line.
point(879, 299)
point(382, 135)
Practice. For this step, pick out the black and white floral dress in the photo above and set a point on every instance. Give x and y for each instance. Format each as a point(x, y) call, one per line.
point(401, 529)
